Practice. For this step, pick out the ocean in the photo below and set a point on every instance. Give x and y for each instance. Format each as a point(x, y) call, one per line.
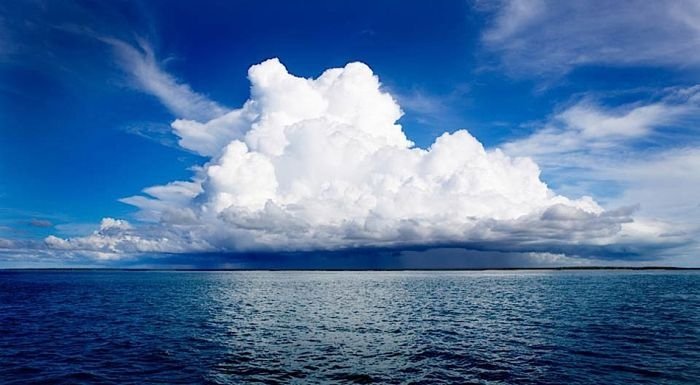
point(384, 327)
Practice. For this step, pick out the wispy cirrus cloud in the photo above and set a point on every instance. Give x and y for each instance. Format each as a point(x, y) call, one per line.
point(552, 37)
point(37, 222)
point(591, 128)
point(139, 61)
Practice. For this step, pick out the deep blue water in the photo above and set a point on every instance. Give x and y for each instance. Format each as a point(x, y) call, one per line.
point(529, 327)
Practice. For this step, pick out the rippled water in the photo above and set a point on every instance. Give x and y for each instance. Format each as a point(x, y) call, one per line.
point(350, 327)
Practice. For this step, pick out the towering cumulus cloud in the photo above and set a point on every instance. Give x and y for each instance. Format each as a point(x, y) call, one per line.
point(321, 163)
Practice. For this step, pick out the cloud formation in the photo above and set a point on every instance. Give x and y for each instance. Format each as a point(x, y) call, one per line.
point(548, 36)
point(321, 164)
point(115, 237)
point(140, 62)
point(36, 222)
point(590, 128)
point(625, 151)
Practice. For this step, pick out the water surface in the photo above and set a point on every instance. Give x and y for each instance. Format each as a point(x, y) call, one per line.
point(514, 327)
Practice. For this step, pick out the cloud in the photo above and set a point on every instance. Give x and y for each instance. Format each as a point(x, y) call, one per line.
point(40, 222)
point(665, 183)
point(550, 37)
point(442, 258)
point(140, 62)
point(645, 154)
point(587, 127)
point(118, 239)
point(6, 243)
point(321, 164)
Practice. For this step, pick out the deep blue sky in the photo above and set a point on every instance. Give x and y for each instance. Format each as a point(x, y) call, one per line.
point(77, 134)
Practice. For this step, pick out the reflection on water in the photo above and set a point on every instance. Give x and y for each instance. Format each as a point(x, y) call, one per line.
point(350, 327)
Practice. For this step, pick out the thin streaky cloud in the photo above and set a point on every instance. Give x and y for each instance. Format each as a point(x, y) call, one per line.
point(547, 37)
point(139, 60)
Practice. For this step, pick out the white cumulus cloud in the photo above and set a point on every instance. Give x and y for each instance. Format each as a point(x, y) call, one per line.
point(322, 163)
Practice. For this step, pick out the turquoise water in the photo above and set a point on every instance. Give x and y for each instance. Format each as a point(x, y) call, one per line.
point(514, 327)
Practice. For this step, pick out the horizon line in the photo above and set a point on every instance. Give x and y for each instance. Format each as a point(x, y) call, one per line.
point(561, 268)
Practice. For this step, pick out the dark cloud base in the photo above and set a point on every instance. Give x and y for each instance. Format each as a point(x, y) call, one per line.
point(528, 252)
point(423, 257)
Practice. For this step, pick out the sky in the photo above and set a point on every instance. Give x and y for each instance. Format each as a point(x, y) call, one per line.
point(334, 134)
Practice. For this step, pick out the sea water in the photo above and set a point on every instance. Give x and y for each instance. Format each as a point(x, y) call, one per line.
point(490, 327)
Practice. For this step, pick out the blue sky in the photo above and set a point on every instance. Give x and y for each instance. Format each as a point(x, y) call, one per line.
point(602, 96)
